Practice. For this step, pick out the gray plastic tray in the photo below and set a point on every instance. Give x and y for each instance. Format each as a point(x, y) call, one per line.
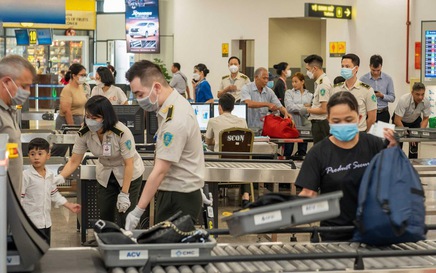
point(284, 214)
point(138, 254)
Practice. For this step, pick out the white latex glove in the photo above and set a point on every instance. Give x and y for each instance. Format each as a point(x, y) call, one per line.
point(206, 201)
point(133, 217)
point(59, 179)
point(123, 202)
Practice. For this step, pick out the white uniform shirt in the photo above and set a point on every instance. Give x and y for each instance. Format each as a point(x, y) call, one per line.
point(365, 97)
point(222, 122)
point(407, 108)
point(323, 91)
point(240, 80)
point(179, 142)
point(114, 94)
point(122, 147)
point(36, 195)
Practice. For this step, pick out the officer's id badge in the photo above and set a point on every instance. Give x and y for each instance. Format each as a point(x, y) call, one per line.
point(107, 149)
point(373, 97)
point(128, 144)
point(322, 92)
point(167, 139)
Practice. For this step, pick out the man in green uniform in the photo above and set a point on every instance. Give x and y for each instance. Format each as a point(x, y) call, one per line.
point(178, 172)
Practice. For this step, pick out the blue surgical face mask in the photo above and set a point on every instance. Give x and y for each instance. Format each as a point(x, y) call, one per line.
point(270, 84)
point(344, 131)
point(347, 73)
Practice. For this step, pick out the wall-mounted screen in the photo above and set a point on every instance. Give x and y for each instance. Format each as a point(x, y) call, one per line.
point(142, 26)
point(22, 36)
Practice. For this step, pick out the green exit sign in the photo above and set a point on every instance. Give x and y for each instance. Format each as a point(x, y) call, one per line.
point(327, 11)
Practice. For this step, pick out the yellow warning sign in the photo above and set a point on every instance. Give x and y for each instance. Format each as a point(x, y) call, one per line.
point(225, 49)
point(337, 49)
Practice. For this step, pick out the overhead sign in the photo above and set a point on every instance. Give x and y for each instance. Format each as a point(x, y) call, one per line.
point(337, 49)
point(32, 36)
point(327, 11)
point(51, 12)
point(142, 26)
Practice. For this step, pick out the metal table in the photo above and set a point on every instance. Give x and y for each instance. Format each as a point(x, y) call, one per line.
point(256, 171)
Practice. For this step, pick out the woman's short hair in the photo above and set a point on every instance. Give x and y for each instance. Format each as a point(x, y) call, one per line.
point(100, 106)
point(343, 97)
point(300, 76)
point(106, 76)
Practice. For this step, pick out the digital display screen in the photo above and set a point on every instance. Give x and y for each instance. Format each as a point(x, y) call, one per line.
point(430, 54)
point(240, 110)
point(22, 36)
point(202, 112)
point(44, 36)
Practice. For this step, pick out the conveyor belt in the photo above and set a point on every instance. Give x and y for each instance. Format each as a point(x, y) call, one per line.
point(260, 252)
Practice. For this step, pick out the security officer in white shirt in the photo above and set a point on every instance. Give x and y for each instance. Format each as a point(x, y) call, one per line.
point(413, 111)
point(119, 168)
point(233, 82)
point(178, 172)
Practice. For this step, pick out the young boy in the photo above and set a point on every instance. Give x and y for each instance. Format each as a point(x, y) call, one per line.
point(39, 188)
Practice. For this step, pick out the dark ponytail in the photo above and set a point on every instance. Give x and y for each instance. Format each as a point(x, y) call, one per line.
point(202, 68)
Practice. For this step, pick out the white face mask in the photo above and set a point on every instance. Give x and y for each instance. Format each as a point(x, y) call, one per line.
point(99, 83)
point(310, 74)
point(146, 104)
point(93, 124)
point(20, 96)
point(233, 68)
point(196, 77)
point(288, 73)
point(82, 80)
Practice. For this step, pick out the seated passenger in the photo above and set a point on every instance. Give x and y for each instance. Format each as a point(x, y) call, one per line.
point(339, 161)
point(224, 121)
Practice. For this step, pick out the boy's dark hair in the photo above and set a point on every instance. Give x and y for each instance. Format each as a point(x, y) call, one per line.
point(100, 106)
point(343, 97)
point(177, 65)
point(375, 61)
point(314, 60)
point(417, 86)
point(39, 144)
point(106, 76)
point(338, 79)
point(353, 57)
point(234, 57)
point(227, 102)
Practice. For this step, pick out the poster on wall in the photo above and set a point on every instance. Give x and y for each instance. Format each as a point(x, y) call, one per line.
point(142, 26)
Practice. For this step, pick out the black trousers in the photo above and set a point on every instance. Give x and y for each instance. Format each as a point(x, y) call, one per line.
point(413, 150)
point(107, 199)
point(169, 203)
point(47, 234)
point(384, 116)
point(320, 130)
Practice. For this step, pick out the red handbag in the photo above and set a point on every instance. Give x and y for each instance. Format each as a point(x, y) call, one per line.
point(278, 127)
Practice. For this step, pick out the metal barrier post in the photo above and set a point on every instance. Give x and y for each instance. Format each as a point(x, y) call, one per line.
point(3, 210)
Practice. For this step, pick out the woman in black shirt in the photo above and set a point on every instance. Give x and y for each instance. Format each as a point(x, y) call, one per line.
point(339, 161)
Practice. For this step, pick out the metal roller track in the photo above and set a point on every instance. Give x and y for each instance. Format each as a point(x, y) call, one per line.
point(412, 263)
point(223, 171)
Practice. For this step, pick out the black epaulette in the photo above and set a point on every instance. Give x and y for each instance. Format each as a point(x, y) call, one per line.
point(170, 113)
point(320, 81)
point(117, 131)
point(338, 84)
point(244, 77)
point(365, 85)
point(83, 131)
point(225, 77)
